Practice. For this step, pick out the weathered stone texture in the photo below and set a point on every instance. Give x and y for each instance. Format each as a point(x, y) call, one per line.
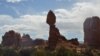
point(92, 31)
point(11, 38)
point(26, 41)
point(54, 35)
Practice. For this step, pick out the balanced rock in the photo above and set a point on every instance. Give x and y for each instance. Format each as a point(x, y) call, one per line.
point(51, 18)
point(54, 35)
point(92, 32)
point(11, 38)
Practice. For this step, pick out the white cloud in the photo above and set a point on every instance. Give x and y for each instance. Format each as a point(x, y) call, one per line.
point(90, 1)
point(32, 24)
point(14, 1)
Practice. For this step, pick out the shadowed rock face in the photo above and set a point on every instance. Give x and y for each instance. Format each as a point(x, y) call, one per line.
point(26, 41)
point(74, 41)
point(51, 18)
point(39, 42)
point(54, 34)
point(53, 37)
point(92, 31)
point(11, 38)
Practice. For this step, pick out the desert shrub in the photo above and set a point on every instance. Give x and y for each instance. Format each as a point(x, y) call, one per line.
point(25, 52)
point(9, 52)
point(51, 53)
point(65, 52)
point(38, 52)
point(1, 52)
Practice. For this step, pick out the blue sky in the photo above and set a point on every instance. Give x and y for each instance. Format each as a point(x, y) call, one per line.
point(31, 7)
point(29, 16)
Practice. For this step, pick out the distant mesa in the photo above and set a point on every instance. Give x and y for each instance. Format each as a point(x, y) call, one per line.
point(92, 32)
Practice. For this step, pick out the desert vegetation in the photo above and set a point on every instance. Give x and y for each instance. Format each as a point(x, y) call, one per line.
point(39, 51)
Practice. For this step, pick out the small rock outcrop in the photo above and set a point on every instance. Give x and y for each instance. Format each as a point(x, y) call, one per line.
point(74, 41)
point(92, 32)
point(26, 41)
point(39, 42)
point(11, 39)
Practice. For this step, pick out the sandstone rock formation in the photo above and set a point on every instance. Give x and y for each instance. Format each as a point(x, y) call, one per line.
point(11, 38)
point(54, 34)
point(92, 32)
point(26, 41)
point(14, 39)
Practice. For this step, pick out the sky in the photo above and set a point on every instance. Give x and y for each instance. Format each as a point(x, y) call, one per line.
point(29, 16)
